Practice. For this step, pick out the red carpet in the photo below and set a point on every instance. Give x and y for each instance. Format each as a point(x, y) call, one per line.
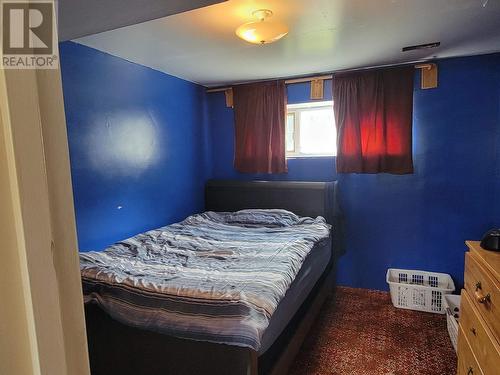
point(359, 332)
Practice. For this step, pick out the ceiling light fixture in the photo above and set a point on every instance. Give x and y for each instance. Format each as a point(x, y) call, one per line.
point(262, 31)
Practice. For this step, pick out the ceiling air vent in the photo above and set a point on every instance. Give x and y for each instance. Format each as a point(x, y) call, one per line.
point(421, 46)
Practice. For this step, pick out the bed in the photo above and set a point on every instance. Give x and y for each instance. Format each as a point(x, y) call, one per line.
point(249, 327)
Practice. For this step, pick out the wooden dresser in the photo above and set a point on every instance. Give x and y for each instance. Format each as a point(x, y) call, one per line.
point(479, 329)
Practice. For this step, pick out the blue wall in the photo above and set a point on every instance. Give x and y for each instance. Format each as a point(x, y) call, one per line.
point(143, 143)
point(413, 221)
point(137, 145)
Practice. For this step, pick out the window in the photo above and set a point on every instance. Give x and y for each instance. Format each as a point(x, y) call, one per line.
point(310, 130)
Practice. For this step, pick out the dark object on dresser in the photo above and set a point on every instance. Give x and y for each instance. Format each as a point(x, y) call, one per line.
point(491, 240)
point(115, 348)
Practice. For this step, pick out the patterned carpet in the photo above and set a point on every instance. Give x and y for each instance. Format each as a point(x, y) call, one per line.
point(359, 332)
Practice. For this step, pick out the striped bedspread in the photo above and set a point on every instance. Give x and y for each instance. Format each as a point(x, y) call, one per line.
point(214, 277)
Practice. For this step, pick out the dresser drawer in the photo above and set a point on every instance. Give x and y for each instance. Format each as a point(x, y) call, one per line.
point(467, 363)
point(484, 291)
point(480, 338)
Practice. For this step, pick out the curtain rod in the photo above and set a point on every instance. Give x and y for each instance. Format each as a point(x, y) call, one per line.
point(422, 65)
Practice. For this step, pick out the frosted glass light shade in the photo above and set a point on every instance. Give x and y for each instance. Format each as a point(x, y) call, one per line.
point(262, 32)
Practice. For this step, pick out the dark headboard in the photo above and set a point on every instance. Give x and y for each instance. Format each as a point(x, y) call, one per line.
point(303, 198)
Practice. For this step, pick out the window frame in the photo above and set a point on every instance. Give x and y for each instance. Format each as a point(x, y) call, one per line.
point(296, 109)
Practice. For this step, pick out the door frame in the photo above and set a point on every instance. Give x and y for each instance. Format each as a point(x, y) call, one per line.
point(46, 330)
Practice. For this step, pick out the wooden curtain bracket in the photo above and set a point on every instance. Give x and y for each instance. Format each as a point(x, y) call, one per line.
point(317, 89)
point(229, 97)
point(428, 75)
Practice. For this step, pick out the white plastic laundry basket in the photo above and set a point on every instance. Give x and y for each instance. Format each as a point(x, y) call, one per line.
point(452, 308)
point(419, 290)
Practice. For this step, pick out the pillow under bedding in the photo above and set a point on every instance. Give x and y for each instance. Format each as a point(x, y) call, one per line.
point(261, 217)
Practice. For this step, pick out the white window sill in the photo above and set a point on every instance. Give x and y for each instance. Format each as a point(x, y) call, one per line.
point(309, 156)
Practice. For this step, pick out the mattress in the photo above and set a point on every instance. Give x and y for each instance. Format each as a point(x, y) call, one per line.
point(310, 272)
point(216, 277)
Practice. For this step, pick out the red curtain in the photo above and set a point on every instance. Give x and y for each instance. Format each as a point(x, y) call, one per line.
point(259, 114)
point(373, 115)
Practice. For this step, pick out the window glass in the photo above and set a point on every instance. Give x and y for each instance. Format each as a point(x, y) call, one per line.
point(310, 130)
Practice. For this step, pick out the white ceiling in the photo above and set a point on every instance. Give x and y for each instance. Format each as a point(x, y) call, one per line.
point(325, 35)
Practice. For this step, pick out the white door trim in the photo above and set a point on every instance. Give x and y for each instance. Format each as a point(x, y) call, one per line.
point(41, 215)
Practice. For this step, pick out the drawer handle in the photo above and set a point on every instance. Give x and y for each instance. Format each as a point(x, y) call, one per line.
point(481, 298)
point(473, 330)
point(470, 371)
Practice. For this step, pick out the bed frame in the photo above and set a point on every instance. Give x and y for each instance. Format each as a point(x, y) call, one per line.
point(115, 348)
